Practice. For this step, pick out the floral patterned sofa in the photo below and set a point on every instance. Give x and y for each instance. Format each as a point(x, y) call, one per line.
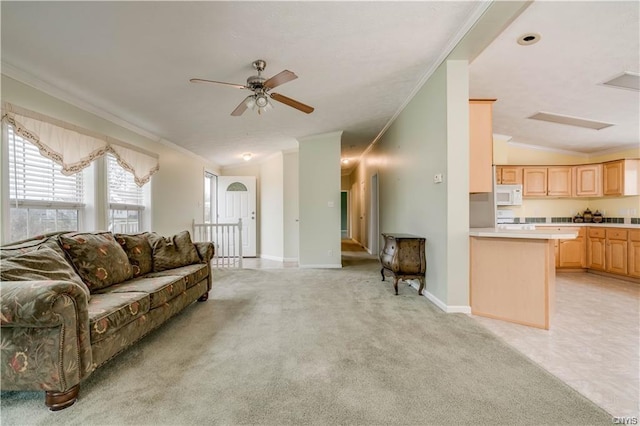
point(70, 302)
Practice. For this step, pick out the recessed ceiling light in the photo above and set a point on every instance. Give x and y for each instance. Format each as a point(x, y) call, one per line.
point(570, 121)
point(345, 161)
point(529, 38)
point(627, 80)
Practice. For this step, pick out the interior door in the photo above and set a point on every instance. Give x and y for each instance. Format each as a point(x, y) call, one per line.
point(237, 200)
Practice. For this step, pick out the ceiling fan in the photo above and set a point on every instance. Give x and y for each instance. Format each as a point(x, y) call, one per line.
point(261, 90)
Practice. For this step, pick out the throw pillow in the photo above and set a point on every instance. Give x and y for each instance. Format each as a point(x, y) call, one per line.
point(138, 251)
point(48, 240)
point(37, 265)
point(173, 252)
point(98, 258)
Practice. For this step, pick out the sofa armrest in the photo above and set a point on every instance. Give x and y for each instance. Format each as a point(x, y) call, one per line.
point(205, 251)
point(46, 341)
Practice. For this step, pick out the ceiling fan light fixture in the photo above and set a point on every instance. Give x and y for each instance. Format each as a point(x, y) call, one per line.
point(262, 101)
point(251, 102)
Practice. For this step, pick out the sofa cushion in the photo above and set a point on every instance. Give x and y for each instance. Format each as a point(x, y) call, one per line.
point(193, 274)
point(111, 311)
point(98, 258)
point(42, 264)
point(138, 251)
point(160, 289)
point(172, 252)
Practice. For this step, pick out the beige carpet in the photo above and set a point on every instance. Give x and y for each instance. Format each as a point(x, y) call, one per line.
point(325, 347)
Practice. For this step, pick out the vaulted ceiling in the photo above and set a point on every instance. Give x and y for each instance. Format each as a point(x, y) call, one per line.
point(357, 63)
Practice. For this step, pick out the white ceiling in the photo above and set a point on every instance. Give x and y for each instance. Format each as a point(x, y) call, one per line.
point(582, 45)
point(357, 63)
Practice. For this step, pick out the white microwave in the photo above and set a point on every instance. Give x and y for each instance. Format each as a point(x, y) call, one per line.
point(508, 195)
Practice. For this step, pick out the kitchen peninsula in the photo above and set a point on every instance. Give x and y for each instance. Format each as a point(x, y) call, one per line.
point(513, 274)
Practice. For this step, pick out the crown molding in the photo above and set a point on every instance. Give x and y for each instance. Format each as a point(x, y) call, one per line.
point(24, 77)
point(502, 137)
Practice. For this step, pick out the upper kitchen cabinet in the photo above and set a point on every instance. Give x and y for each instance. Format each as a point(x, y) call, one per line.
point(621, 177)
point(508, 175)
point(481, 145)
point(547, 181)
point(534, 181)
point(588, 180)
point(559, 181)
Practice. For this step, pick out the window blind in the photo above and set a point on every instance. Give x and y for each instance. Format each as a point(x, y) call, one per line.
point(36, 180)
point(124, 194)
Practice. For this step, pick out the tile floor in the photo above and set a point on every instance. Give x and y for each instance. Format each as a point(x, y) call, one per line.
point(593, 343)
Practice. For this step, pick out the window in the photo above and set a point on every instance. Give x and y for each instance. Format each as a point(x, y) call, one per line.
point(210, 203)
point(126, 199)
point(41, 198)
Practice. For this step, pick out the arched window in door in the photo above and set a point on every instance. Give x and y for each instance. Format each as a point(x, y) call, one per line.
point(236, 187)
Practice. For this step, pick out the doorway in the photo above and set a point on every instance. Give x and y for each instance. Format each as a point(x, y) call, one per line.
point(344, 215)
point(237, 200)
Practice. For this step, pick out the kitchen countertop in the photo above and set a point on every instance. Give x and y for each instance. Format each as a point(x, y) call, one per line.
point(603, 225)
point(536, 234)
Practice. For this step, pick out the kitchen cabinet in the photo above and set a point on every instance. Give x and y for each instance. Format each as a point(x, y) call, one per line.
point(633, 253)
point(616, 251)
point(596, 249)
point(534, 181)
point(587, 180)
point(571, 253)
point(621, 177)
point(481, 145)
point(547, 181)
point(508, 175)
point(559, 181)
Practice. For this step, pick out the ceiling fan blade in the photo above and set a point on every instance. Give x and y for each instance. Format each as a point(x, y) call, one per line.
point(279, 79)
point(200, 80)
point(292, 103)
point(240, 108)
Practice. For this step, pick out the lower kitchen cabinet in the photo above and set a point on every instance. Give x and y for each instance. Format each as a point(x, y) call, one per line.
point(633, 253)
point(571, 253)
point(596, 249)
point(612, 250)
point(616, 251)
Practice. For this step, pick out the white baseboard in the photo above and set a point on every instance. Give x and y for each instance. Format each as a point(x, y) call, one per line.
point(453, 309)
point(290, 259)
point(321, 266)
point(268, 257)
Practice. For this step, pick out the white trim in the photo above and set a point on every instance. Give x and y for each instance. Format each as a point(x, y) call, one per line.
point(290, 259)
point(268, 257)
point(547, 149)
point(453, 309)
point(502, 137)
point(322, 266)
point(24, 77)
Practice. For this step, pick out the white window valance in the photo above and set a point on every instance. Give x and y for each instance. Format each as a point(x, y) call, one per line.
point(75, 148)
